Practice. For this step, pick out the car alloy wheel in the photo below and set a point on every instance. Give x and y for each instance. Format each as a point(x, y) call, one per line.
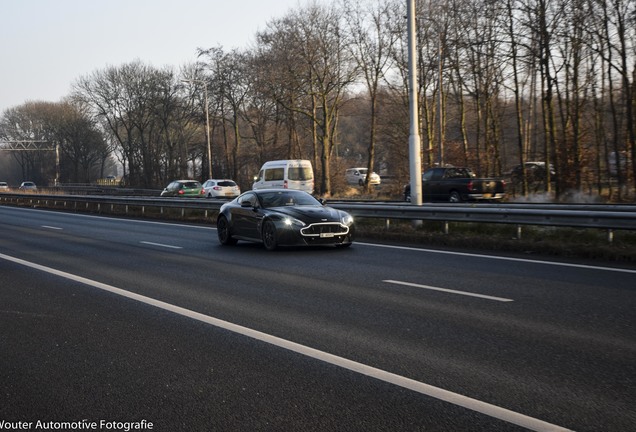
point(223, 231)
point(269, 235)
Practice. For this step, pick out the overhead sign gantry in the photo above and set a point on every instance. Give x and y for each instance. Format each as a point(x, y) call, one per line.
point(34, 145)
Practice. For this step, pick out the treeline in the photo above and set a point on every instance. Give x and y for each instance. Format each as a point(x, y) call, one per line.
point(500, 83)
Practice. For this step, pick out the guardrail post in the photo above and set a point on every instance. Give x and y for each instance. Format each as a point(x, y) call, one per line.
point(518, 234)
point(610, 236)
point(387, 224)
point(446, 227)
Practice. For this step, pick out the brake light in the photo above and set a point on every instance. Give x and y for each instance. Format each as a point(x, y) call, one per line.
point(216, 188)
point(285, 186)
point(181, 192)
point(470, 186)
point(202, 191)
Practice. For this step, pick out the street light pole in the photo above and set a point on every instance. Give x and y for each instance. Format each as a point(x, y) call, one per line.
point(207, 122)
point(415, 156)
point(440, 113)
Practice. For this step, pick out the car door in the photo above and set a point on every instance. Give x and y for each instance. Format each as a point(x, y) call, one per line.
point(246, 217)
point(429, 186)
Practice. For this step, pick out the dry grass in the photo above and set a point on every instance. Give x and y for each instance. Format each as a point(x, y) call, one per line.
point(548, 241)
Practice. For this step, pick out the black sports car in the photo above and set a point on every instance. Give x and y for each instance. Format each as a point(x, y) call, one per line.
point(283, 217)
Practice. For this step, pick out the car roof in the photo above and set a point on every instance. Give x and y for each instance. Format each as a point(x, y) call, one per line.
point(259, 191)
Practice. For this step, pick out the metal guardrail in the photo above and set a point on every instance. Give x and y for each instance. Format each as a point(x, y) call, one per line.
point(609, 217)
point(604, 217)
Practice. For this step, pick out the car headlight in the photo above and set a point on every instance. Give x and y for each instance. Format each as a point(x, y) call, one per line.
point(289, 221)
point(347, 219)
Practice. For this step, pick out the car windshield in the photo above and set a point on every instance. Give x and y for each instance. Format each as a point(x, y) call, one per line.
point(287, 198)
point(192, 185)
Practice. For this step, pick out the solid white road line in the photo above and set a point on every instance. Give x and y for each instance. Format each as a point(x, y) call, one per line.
point(160, 245)
point(465, 293)
point(425, 389)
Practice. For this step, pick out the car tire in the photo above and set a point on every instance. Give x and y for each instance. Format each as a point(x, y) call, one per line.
point(454, 197)
point(223, 231)
point(268, 234)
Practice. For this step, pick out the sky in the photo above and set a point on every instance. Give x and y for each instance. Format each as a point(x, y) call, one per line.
point(46, 45)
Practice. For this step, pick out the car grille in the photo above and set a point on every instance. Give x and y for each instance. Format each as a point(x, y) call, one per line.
point(329, 229)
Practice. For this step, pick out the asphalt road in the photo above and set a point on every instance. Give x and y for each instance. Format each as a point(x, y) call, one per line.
point(109, 324)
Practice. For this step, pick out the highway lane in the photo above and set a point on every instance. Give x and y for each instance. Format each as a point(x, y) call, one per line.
point(552, 342)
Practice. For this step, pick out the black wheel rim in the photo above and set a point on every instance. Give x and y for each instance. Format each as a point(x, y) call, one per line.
point(269, 235)
point(222, 229)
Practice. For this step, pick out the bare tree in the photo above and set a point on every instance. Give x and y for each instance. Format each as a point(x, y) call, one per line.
point(139, 106)
point(371, 43)
point(320, 74)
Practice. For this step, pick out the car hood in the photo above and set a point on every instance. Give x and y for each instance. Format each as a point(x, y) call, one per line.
point(310, 214)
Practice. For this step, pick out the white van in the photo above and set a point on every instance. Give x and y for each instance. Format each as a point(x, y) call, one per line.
point(286, 174)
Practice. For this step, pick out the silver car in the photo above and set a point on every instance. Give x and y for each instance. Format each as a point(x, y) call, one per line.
point(221, 188)
point(28, 186)
point(357, 176)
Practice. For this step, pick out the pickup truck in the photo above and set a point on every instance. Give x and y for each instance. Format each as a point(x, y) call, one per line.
point(453, 184)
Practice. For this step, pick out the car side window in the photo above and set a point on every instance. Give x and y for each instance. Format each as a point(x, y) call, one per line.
point(274, 174)
point(248, 198)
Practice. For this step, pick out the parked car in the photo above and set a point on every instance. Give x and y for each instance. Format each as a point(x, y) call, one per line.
point(221, 188)
point(283, 217)
point(457, 184)
point(4, 186)
point(357, 176)
point(535, 172)
point(28, 186)
point(184, 188)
